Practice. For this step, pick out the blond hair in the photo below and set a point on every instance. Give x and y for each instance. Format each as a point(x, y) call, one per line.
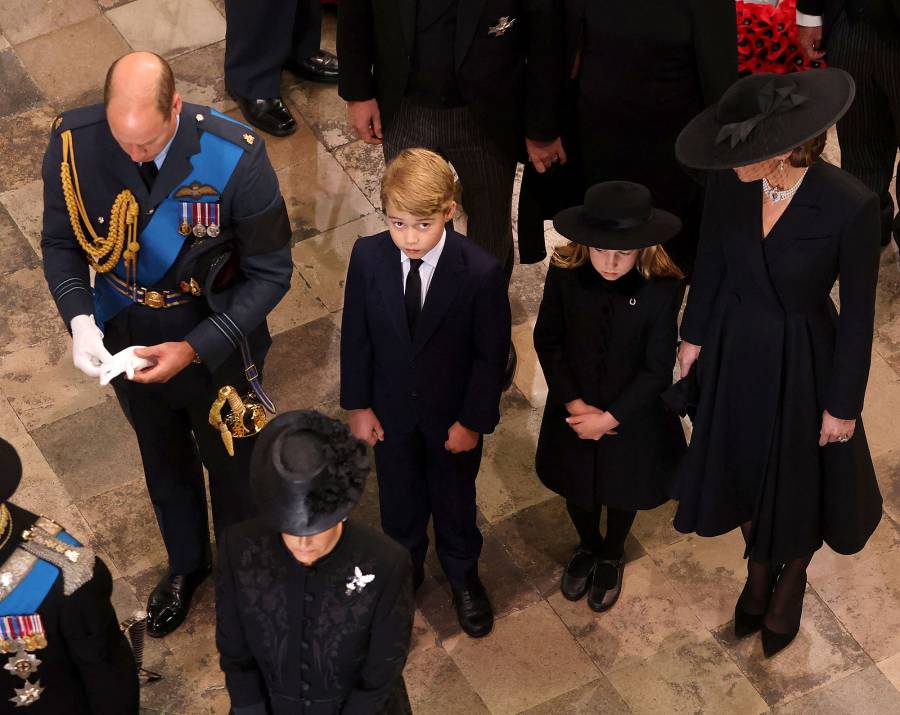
point(652, 262)
point(419, 182)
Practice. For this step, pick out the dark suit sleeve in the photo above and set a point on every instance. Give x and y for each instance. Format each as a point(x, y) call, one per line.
point(491, 328)
point(550, 341)
point(709, 269)
point(544, 69)
point(355, 49)
point(859, 251)
point(96, 646)
point(262, 236)
point(65, 265)
point(356, 343)
point(243, 678)
point(715, 46)
point(655, 375)
point(388, 644)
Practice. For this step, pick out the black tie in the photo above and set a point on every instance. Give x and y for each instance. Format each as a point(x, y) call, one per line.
point(413, 294)
point(148, 172)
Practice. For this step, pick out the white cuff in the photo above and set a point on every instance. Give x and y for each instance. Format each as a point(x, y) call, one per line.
point(804, 20)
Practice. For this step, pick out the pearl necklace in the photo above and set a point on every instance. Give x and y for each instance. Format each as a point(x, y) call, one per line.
point(776, 195)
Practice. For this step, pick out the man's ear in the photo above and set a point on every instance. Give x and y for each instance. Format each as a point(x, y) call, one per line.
point(176, 105)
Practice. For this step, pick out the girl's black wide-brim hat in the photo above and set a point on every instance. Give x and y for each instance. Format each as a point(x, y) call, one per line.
point(307, 472)
point(617, 215)
point(10, 470)
point(764, 115)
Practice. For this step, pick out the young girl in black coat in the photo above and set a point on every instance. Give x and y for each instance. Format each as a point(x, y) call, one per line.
point(605, 336)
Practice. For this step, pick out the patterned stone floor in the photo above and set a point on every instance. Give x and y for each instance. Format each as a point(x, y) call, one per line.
point(665, 648)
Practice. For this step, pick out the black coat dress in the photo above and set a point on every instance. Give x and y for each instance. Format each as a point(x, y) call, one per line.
point(775, 355)
point(294, 640)
point(611, 343)
point(87, 667)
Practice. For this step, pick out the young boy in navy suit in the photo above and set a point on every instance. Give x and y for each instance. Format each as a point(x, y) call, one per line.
point(424, 343)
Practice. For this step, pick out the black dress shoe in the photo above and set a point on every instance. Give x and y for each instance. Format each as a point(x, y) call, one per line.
point(511, 362)
point(576, 579)
point(321, 67)
point(606, 585)
point(473, 609)
point(170, 601)
point(269, 115)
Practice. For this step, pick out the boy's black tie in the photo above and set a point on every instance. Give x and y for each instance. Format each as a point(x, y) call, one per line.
point(148, 171)
point(413, 294)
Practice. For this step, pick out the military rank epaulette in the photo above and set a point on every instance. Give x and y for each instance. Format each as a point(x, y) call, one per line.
point(225, 127)
point(79, 117)
point(75, 562)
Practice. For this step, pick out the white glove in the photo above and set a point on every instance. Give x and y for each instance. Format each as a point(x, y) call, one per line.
point(123, 361)
point(88, 352)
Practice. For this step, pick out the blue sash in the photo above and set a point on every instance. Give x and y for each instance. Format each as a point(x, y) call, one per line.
point(28, 596)
point(160, 240)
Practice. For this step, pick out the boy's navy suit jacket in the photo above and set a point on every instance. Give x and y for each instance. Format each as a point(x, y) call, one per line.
point(453, 368)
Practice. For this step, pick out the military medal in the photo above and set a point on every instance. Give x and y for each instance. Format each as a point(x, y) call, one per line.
point(185, 228)
point(19, 635)
point(212, 228)
point(199, 229)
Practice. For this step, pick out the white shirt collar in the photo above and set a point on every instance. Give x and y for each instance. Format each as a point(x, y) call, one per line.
point(433, 256)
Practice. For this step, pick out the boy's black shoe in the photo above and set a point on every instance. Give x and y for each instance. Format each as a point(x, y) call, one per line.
point(473, 609)
point(576, 578)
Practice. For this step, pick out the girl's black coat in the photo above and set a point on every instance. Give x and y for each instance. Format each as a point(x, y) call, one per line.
point(613, 345)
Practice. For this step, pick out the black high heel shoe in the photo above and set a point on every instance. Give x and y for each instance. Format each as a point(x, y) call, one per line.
point(773, 641)
point(746, 623)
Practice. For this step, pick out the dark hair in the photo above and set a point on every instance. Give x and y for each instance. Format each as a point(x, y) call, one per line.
point(165, 87)
point(807, 154)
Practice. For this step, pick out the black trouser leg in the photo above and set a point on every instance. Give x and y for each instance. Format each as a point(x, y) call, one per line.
point(618, 524)
point(258, 40)
point(587, 524)
point(307, 29)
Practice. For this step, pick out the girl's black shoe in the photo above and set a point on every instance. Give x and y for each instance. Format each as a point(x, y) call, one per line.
point(576, 578)
point(606, 584)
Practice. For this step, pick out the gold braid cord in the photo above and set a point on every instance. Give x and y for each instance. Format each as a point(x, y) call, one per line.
point(103, 252)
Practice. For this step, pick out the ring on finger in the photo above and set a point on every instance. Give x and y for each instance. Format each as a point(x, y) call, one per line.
point(844, 438)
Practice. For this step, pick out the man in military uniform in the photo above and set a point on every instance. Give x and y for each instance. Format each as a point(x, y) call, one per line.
point(195, 255)
point(60, 641)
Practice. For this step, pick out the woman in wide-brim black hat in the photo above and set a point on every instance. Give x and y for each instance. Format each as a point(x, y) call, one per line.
point(314, 611)
point(777, 446)
point(605, 336)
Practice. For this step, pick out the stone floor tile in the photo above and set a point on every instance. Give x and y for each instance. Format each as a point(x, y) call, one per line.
point(303, 365)
point(92, 450)
point(22, 20)
point(25, 206)
point(437, 687)
point(91, 46)
point(42, 385)
point(75, 523)
point(23, 140)
point(529, 378)
point(168, 27)
point(322, 260)
point(324, 111)
point(200, 77)
point(887, 467)
point(423, 636)
point(319, 195)
point(14, 247)
point(17, 90)
point(891, 669)
point(695, 677)
point(654, 529)
point(4, 43)
point(822, 653)
point(506, 481)
point(299, 306)
point(865, 596)
point(879, 412)
point(526, 288)
point(867, 692)
point(535, 674)
point(650, 616)
point(29, 314)
point(708, 573)
point(826, 562)
point(126, 528)
point(598, 696)
point(365, 165)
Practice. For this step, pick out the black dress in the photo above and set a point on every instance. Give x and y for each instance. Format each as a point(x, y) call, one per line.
point(775, 355)
point(297, 640)
point(611, 343)
point(87, 667)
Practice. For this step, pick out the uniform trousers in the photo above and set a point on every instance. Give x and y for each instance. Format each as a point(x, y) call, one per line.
point(869, 133)
point(485, 174)
point(175, 439)
point(260, 36)
point(417, 480)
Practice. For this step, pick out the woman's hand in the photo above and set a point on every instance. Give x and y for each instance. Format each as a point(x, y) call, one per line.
point(687, 356)
point(580, 407)
point(835, 429)
point(593, 425)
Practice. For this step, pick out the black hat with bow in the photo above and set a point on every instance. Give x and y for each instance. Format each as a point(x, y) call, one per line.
point(307, 472)
point(763, 116)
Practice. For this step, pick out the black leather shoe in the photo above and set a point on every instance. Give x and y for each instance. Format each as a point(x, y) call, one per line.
point(321, 67)
point(511, 362)
point(269, 115)
point(576, 579)
point(606, 585)
point(473, 609)
point(170, 601)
